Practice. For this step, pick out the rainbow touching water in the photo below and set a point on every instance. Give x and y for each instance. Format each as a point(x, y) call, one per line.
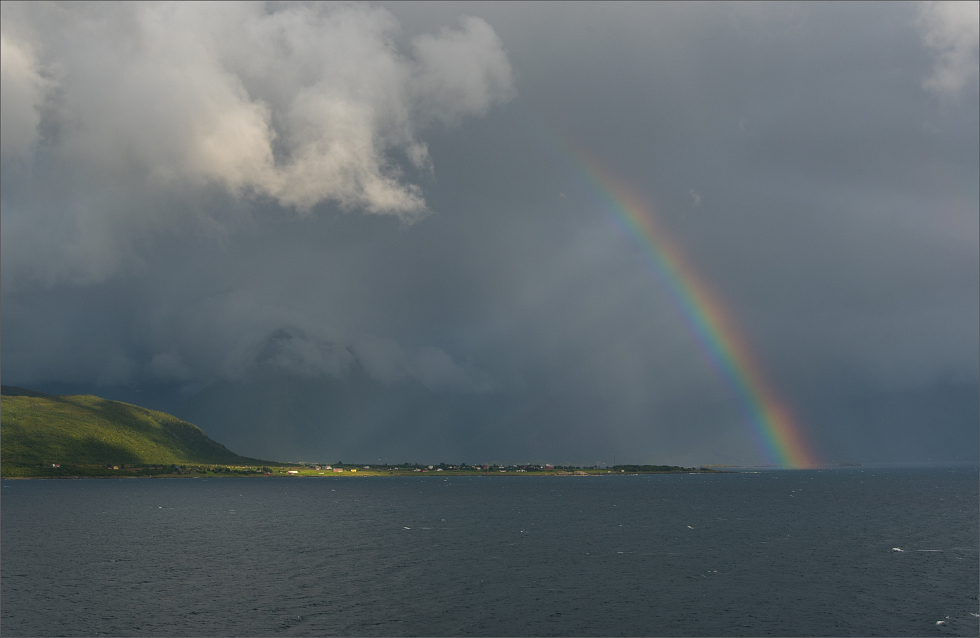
point(777, 432)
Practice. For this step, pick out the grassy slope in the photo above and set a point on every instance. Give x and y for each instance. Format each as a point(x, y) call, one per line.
point(87, 430)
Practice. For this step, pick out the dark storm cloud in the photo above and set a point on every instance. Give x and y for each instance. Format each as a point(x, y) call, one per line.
point(817, 163)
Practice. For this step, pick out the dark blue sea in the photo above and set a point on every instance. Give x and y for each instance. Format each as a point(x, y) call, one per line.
point(788, 553)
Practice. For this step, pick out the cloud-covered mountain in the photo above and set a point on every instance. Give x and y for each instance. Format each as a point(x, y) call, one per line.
point(314, 413)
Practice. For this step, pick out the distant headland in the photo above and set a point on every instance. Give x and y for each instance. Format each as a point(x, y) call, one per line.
point(84, 436)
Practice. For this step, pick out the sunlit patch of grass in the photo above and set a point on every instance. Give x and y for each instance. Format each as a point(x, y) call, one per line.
point(86, 430)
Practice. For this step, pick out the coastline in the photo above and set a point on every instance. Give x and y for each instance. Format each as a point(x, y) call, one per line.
point(301, 473)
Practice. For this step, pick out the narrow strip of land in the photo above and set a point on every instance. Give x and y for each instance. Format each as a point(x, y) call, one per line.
point(63, 470)
point(84, 436)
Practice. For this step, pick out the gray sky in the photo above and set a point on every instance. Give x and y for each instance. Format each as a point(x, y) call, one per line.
point(370, 205)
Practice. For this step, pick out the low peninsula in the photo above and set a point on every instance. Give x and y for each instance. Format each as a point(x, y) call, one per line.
point(85, 436)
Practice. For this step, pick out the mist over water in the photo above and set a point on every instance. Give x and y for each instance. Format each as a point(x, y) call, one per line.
point(769, 553)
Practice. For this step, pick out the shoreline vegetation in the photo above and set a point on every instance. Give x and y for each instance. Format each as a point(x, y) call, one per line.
point(68, 471)
point(84, 436)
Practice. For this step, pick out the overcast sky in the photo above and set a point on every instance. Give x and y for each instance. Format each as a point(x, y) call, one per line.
point(191, 191)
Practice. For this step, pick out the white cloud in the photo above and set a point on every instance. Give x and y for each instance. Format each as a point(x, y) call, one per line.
point(952, 31)
point(461, 72)
point(21, 93)
point(300, 104)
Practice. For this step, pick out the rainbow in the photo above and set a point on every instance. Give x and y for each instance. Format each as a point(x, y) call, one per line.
point(777, 431)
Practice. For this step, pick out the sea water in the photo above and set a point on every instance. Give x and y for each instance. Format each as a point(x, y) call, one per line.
point(792, 553)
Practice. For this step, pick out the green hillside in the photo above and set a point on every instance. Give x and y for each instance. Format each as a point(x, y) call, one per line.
point(85, 430)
